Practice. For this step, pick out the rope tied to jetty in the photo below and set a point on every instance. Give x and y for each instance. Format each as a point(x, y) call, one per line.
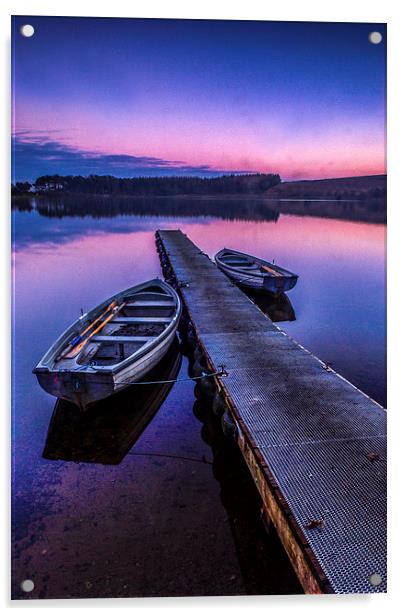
point(222, 372)
point(205, 375)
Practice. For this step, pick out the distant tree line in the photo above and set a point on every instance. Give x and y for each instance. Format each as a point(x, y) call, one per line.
point(21, 188)
point(152, 186)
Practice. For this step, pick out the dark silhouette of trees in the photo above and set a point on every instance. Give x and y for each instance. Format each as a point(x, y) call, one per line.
point(50, 183)
point(158, 186)
point(20, 188)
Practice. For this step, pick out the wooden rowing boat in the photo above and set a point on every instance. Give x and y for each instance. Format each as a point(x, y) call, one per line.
point(255, 273)
point(114, 345)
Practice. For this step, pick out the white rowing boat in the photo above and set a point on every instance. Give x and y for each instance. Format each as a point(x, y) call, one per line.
point(114, 345)
point(255, 273)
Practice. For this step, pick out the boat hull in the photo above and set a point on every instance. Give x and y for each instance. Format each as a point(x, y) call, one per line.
point(86, 388)
point(261, 284)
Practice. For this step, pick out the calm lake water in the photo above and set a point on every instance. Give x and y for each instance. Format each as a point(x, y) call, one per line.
point(176, 513)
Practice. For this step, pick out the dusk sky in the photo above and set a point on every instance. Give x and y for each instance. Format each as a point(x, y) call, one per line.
point(131, 97)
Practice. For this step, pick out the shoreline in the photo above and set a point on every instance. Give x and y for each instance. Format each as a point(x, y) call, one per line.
point(214, 196)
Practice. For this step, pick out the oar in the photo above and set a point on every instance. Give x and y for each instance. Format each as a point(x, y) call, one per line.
point(76, 350)
point(80, 336)
point(269, 269)
point(110, 307)
point(78, 339)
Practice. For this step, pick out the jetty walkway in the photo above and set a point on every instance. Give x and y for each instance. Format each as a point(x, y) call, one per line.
point(315, 445)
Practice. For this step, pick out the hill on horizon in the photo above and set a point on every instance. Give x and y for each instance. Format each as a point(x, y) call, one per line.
point(353, 187)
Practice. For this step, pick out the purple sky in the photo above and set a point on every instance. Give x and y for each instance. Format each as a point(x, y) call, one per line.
point(156, 97)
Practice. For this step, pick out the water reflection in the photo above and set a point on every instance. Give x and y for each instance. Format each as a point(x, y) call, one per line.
point(107, 431)
point(277, 307)
point(259, 550)
point(228, 208)
point(100, 206)
point(23, 204)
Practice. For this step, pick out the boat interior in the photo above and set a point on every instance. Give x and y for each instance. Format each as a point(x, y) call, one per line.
point(248, 264)
point(138, 320)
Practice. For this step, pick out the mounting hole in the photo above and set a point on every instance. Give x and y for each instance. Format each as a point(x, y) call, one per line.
point(27, 30)
point(375, 38)
point(27, 585)
point(375, 579)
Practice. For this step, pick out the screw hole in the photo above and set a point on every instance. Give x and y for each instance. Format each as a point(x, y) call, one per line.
point(27, 30)
point(375, 579)
point(375, 38)
point(27, 585)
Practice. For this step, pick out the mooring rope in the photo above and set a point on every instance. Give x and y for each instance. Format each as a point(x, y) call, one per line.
point(222, 372)
point(202, 460)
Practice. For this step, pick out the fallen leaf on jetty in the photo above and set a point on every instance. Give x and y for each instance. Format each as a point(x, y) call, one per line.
point(314, 524)
point(372, 457)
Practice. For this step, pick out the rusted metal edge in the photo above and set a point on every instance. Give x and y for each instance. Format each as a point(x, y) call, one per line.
point(301, 556)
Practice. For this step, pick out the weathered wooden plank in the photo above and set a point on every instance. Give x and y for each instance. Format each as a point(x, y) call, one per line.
point(112, 339)
point(140, 320)
point(150, 303)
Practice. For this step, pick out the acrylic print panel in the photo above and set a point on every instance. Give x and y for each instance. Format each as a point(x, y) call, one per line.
point(199, 217)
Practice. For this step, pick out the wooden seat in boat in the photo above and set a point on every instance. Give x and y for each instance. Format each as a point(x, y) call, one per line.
point(139, 320)
point(151, 304)
point(117, 339)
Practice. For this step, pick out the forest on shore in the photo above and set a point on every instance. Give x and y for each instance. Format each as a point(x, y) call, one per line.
point(233, 184)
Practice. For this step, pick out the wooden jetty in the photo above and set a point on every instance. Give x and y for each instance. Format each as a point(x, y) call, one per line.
point(315, 444)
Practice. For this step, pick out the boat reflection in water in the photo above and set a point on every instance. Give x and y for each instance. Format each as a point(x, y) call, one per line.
point(276, 307)
point(106, 432)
